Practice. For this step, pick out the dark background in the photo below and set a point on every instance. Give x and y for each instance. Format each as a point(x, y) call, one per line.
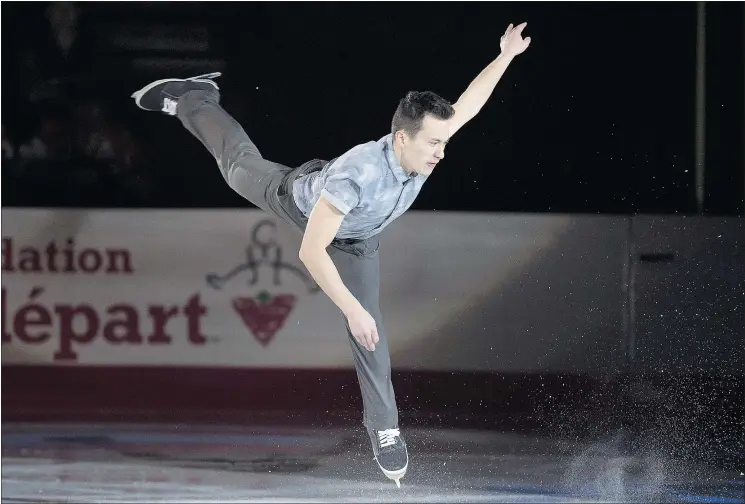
point(598, 116)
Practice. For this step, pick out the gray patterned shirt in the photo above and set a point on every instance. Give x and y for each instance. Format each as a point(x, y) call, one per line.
point(366, 183)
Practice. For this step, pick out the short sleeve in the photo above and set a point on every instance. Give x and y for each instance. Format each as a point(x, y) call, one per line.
point(343, 188)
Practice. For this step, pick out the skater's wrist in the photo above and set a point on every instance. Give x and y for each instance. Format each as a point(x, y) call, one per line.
point(351, 307)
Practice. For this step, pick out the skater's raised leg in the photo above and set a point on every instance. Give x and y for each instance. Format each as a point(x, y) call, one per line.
point(196, 102)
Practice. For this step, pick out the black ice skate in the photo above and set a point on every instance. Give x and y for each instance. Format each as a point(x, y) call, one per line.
point(162, 95)
point(390, 452)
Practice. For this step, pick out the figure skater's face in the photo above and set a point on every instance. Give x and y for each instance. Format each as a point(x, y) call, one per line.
point(421, 153)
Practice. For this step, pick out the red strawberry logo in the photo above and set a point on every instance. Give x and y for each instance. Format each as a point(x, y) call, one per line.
point(265, 315)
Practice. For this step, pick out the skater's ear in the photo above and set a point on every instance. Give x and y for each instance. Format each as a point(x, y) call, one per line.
point(401, 137)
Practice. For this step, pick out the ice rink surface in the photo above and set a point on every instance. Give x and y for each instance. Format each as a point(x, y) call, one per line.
point(110, 463)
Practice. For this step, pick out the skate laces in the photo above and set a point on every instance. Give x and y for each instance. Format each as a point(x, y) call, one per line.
point(388, 437)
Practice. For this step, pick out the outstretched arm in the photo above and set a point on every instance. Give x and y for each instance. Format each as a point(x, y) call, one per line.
point(478, 92)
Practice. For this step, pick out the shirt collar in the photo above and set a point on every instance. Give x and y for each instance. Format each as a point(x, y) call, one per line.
point(393, 163)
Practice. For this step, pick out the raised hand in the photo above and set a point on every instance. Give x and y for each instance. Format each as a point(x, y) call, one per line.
point(512, 42)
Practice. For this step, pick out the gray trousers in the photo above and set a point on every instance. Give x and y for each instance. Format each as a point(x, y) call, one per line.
point(268, 185)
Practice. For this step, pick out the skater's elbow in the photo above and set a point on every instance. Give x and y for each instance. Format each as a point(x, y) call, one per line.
point(323, 224)
point(307, 253)
point(311, 250)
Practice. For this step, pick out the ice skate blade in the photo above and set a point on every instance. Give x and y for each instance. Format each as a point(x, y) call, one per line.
point(396, 476)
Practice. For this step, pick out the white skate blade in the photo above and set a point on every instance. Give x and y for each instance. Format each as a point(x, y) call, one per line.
point(395, 475)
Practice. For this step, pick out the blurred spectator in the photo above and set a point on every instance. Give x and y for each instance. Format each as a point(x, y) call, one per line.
point(92, 132)
point(59, 54)
point(128, 167)
point(11, 161)
point(55, 56)
point(65, 141)
point(52, 140)
point(63, 19)
point(9, 150)
point(77, 155)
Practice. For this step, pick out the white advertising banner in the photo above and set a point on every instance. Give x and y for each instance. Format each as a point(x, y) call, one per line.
point(226, 288)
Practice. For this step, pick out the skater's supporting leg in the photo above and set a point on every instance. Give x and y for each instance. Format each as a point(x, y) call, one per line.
point(358, 264)
point(359, 268)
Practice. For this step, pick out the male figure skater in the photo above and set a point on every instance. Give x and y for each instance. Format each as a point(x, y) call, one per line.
point(341, 207)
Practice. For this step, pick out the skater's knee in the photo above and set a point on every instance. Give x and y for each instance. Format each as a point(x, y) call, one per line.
point(240, 157)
